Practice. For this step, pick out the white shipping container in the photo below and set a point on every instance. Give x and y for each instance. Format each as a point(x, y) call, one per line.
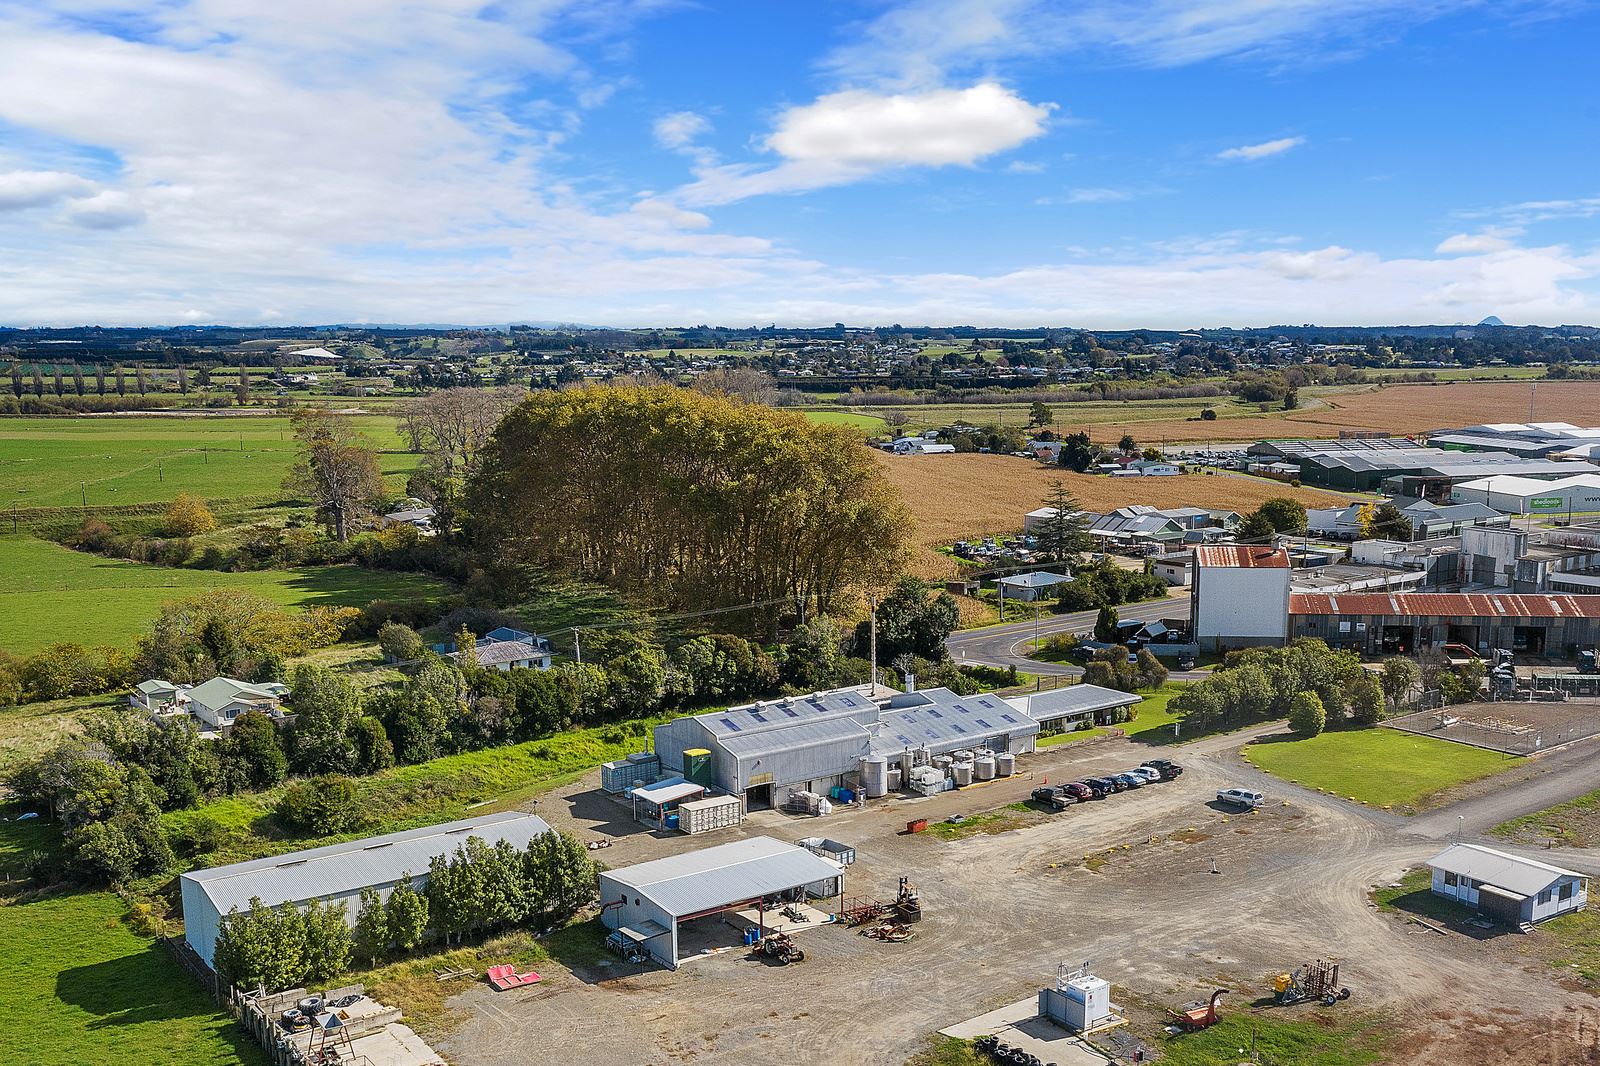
point(715, 812)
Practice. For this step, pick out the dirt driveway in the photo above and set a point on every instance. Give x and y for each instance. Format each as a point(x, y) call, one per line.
point(1003, 910)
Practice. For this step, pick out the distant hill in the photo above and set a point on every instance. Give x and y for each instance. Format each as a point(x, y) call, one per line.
point(1492, 320)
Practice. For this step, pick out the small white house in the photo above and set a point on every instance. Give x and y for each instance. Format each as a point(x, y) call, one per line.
point(216, 703)
point(1507, 887)
point(1030, 587)
point(507, 649)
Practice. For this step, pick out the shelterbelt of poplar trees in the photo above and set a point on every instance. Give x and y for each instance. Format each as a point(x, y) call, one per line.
point(686, 499)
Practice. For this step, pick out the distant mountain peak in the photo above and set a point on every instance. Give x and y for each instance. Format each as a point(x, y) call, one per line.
point(1492, 320)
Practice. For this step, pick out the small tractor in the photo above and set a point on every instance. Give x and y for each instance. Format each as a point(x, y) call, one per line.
point(1198, 1016)
point(1588, 661)
point(780, 949)
point(1315, 981)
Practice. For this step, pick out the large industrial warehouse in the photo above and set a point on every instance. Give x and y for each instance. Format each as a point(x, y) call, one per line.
point(336, 873)
point(1401, 467)
point(1526, 495)
point(764, 752)
point(1554, 626)
point(649, 904)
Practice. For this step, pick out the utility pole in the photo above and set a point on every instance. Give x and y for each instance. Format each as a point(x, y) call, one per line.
point(160, 474)
point(577, 648)
point(872, 642)
point(83, 494)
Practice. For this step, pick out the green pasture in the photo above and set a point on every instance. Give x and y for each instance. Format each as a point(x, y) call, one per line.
point(53, 594)
point(1381, 767)
point(114, 461)
point(834, 416)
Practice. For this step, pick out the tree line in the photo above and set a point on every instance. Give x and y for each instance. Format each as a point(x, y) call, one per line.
point(480, 888)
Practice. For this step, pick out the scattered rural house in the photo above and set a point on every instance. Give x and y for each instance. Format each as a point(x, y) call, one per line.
point(922, 446)
point(1136, 525)
point(1174, 568)
point(1030, 587)
point(1155, 468)
point(1034, 521)
point(336, 873)
point(506, 649)
point(1046, 451)
point(1239, 596)
point(420, 518)
point(654, 905)
point(160, 698)
point(216, 703)
point(1506, 887)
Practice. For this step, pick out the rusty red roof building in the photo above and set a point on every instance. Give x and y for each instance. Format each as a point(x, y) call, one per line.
point(1248, 556)
point(1445, 605)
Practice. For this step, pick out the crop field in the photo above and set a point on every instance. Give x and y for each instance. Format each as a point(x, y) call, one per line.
point(81, 987)
point(1398, 409)
point(51, 593)
point(107, 461)
point(956, 496)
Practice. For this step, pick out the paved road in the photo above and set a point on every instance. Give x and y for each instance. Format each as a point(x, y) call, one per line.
point(1007, 645)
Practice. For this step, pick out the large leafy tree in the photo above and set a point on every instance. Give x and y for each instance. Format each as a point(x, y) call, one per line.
point(687, 498)
point(1063, 534)
point(336, 468)
point(911, 620)
point(1388, 523)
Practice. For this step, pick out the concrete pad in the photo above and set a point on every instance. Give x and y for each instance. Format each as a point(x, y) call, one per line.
point(1019, 1025)
point(777, 923)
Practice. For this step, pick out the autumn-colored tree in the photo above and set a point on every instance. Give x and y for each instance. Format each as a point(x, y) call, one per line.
point(687, 498)
point(188, 516)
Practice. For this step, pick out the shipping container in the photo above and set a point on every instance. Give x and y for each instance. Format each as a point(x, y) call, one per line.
point(714, 812)
point(637, 769)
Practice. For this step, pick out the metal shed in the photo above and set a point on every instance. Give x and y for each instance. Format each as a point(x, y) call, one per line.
point(647, 903)
point(336, 873)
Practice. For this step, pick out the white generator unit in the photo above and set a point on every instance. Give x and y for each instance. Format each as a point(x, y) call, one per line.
point(1080, 1000)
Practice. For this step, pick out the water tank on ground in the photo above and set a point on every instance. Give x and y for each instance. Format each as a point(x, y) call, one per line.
point(1005, 764)
point(984, 767)
point(962, 772)
point(875, 775)
point(894, 779)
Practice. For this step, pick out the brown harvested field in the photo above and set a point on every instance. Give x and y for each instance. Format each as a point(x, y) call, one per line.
point(956, 496)
point(1397, 409)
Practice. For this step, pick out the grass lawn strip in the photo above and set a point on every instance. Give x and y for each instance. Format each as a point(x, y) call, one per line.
point(1573, 824)
point(1380, 767)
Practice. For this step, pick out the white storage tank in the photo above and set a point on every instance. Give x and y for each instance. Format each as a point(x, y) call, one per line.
point(984, 767)
point(962, 772)
point(894, 778)
point(875, 775)
point(1005, 764)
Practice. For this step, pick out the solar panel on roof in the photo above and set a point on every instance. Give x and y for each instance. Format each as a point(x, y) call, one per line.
point(731, 724)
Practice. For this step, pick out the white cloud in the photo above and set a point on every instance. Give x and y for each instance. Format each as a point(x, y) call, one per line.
point(1019, 166)
point(1098, 195)
point(681, 129)
point(105, 210)
point(1491, 239)
point(23, 189)
point(847, 136)
point(1262, 150)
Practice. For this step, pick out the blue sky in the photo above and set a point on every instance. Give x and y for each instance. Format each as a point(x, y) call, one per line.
point(1104, 163)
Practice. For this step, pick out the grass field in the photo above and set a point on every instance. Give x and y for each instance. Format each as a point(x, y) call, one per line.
point(51, 593)
point(1311, 1038)
point(29, 729)
point(833, 416)
point(965, 495)
point(111, 461)
point(81, 987)
point(1380, 767)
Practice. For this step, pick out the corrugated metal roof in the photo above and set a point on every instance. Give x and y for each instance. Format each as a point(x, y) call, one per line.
point(1447, 604)
point(1501, 869)
point(756, 717)
point(798, 735)
point(939, 719)
point(345, 869)
point(1037, 580)
point(509, 651)
point(1241, 555)
point(716, 877)
point(666, 791)
point(1073, 699)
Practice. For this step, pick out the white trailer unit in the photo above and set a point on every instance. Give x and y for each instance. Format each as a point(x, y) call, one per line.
point(713, 812)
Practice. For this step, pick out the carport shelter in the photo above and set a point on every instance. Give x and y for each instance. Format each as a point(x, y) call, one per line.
point(1507, 887)
point(647, 903)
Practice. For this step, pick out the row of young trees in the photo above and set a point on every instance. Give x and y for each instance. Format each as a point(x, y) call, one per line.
point(1259, 684)
point(478, 889)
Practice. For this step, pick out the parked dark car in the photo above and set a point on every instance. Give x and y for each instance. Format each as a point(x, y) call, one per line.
point(1046, 795)
point(1097, 790)
point(1078, 790)
point(1129, 780)
point(1167, 768)
point(1186, 662)
point(1109, 784)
